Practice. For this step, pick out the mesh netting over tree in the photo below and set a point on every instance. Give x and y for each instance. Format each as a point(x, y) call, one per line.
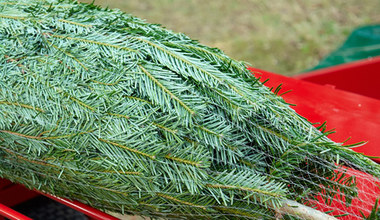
point(101, 107)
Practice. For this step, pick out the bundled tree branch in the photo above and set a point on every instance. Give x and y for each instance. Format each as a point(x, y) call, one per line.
point(99, 106)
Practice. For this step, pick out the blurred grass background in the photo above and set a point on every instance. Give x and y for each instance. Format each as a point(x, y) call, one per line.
point(283, 36)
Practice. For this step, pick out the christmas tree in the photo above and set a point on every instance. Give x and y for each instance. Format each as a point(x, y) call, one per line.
point(99, 106)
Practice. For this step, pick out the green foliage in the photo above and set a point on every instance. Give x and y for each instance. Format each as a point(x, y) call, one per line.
point(375, 213)
point(99, 106)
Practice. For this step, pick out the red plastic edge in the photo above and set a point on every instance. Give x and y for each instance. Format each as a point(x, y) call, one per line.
point(12, 214)
point(360, 77)
point(12, 194)
point(85, 209)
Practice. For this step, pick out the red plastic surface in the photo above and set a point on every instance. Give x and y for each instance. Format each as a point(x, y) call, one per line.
point(360, 77)
point(368, 192)
point(351, 115)
point(12, 214)
point(13, 194)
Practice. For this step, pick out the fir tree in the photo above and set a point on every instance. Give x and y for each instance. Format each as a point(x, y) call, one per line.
point(99, 106)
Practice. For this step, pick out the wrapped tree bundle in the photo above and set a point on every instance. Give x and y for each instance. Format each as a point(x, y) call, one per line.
point(99, 106)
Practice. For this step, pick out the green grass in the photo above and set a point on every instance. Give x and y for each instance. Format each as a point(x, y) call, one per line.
point(283, 36)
